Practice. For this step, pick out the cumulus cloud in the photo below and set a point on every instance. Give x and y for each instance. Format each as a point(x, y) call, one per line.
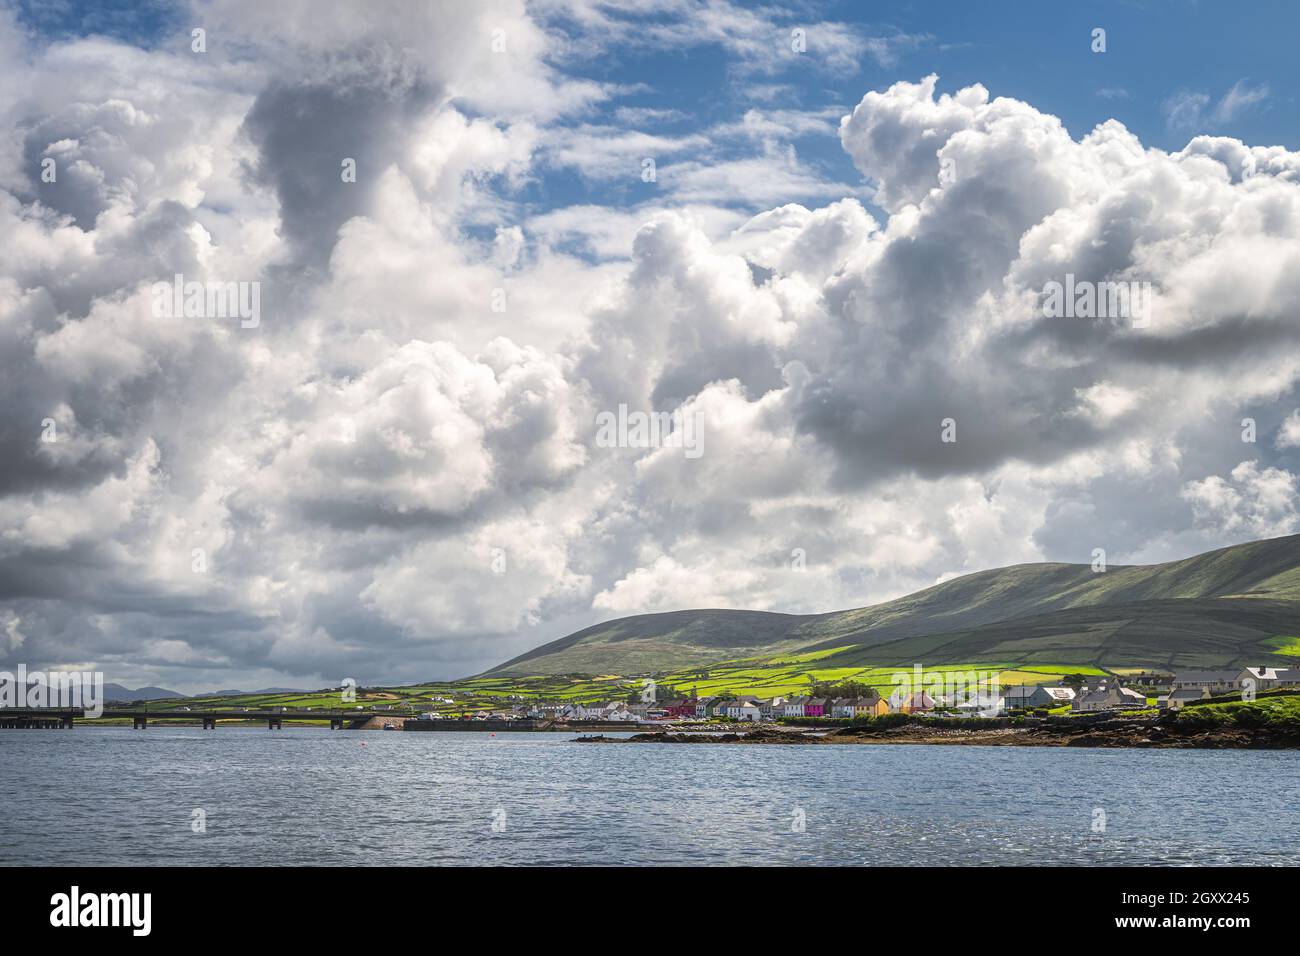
point(1261, 502)
point(396, 474)
point(1288, 435)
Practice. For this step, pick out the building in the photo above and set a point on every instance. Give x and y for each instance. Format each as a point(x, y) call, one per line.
point(681, 707)
point(1216, 682)
point(1038, 695)
point(744, 710)
point(980, 703)
point(1175, 700)
point(703, 706)
point(1108, 697)
point(1156, 680)
point(719, 706)
point(741, 708)
point(772, 709)
point(598, 710)
point(794, 706)
point(1268, 678)
point(917, 702)
point(816, 707)
point(852, 707)
point(872, 706)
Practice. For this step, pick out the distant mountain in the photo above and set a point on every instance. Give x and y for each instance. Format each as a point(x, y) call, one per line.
point(247, 693)
point(1234, 605)
point(116, 692)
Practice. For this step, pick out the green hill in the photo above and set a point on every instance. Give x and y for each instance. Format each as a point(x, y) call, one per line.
point(1234, 605)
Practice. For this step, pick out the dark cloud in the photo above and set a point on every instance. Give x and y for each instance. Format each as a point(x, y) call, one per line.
point(304, 131)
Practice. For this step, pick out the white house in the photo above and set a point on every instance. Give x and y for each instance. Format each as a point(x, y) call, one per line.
point(747, 710)
point(794, 706)
point(1109, 697)
point(988, 704)
point(1216, 682)
point(1175, 700)
point(743, 708)
point(1268, 678)
point(1039, 695)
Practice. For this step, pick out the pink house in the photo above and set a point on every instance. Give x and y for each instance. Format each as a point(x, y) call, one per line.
point(816, 707)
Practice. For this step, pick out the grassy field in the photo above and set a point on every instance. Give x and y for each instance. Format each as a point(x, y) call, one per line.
point(762, 677)
point(1279, 714)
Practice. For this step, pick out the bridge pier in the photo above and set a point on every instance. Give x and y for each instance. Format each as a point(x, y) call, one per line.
point(209, 723)
point(139, 723)
point(67, 722)
point(274, 723)
point(336, 723)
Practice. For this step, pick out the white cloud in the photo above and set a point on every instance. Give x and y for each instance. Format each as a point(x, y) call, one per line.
point(1240, 98)
point(423, 386)
point(1191, 110)
point(1259, 502)
point(1288, 435)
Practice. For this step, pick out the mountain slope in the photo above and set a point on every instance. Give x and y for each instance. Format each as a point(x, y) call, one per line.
point(118, 693)
point(1208, 609)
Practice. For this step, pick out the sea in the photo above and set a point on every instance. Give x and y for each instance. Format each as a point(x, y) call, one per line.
point(309, 796)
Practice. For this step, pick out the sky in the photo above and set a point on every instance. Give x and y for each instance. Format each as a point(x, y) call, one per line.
point(468, 237)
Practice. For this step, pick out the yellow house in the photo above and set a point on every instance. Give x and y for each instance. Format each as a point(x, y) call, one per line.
point(870, 707)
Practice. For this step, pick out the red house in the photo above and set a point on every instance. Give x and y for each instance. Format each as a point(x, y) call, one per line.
point(680, 708)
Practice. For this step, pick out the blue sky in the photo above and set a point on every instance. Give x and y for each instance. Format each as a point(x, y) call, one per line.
point(1158, 54)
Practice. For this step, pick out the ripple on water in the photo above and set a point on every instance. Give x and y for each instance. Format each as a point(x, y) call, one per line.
point(307, 796)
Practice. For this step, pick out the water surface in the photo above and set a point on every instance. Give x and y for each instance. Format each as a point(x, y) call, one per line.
point(313, 796)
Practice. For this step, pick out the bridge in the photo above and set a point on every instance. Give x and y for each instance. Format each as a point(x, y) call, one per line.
point(51, 717)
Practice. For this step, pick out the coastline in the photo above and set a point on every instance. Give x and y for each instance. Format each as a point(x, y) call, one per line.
point(1118, 733)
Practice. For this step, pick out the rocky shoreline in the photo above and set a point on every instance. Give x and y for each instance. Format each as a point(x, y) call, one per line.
point(1110, 733)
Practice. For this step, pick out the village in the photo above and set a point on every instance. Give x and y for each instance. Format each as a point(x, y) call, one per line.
point(1167, 692)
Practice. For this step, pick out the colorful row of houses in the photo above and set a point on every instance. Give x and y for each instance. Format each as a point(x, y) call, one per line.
point(1102, 693)
point(750, 707)
point(734, 707)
